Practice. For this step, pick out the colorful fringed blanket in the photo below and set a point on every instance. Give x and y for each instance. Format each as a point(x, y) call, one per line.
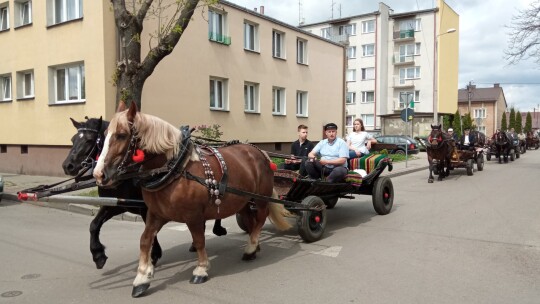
point(367, 163)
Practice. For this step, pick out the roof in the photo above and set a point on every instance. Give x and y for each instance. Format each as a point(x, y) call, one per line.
point(481, 94)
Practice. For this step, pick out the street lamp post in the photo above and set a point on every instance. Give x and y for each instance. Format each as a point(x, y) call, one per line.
point(436, 80)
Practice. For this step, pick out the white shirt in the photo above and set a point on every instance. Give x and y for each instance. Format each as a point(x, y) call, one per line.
point(358, 140)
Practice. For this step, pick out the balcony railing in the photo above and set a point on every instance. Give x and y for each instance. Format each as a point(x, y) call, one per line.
point(343, 39)
point(219, 38)
point(403, 83)
point(404, 34)
point(403, 59)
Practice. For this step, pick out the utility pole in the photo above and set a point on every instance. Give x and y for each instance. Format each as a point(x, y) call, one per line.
point(469, 93)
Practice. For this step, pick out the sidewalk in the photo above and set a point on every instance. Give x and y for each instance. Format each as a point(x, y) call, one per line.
point(16, 182)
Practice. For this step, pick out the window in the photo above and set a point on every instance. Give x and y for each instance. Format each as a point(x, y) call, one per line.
point(277, 44)
point(407, 51)
point(351, 52)
point(23, 12)
point(301, 103)
point(251, 36)
point(409, 73)
point(368, 26)
point(349, 29)
point(251, 97)
point(326, 32)
point(369, 120)
point(405, 98)
point(480, 113)
point(411, 24)
point(217, 27)
point(218, 93)
point(301, 51)
point(3, 148)
point(69, 83)
point(351, 98)
point(368, 73)
point(25, 84)
point(351, 75)
point(349, 119)
point(481, 129)
point(368, 96)
point(64, 10)
point(4, 17)
point(5, 87)
point(278, 105)
point(368, 49)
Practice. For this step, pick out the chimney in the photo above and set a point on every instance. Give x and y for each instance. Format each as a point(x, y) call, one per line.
point(262, 10)
point(255, 9)
point(496, 85)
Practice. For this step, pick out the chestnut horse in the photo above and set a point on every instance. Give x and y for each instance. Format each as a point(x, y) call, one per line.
point(439, 151)
point(186, 197)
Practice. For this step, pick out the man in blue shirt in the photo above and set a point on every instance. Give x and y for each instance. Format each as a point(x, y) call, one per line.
point(333, 152)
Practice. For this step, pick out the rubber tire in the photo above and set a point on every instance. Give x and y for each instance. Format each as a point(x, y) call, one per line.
point(518, 154)
point(480, 162)
point(488, 156)
point(399, 152)
point(330, 202)
point(383, 195)
point(512, 155)
point(470, 166)
point(308, 229)
point(240, 222)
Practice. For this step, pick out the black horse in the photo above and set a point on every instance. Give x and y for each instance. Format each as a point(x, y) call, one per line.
point(439, 150)
point(503, 145)
point(87, 145)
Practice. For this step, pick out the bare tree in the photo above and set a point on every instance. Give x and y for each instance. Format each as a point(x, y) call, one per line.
point(524, 38)
point(173, 17)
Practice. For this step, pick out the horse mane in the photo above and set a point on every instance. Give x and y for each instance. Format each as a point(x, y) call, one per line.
point(156, 135)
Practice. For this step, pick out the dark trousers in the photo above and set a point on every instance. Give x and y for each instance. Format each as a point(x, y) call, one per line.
point(301, 167)
point(335, 175)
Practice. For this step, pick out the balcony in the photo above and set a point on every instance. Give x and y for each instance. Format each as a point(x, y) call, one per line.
point(405, 35)
point(219, 38)
point(398, 105)
point(403, 59)
point(343, 39)
point(403, 83)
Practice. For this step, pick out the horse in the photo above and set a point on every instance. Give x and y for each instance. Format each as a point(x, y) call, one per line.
point(87, 145)
point(439, 150)
point(206, 183)
point(480, 138)
point(503, 144)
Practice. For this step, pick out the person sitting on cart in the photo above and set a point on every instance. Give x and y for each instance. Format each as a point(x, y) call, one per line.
point(359, 141)
point(300, 148)
point(468, 140)
point(452, 134)
point(333, 152)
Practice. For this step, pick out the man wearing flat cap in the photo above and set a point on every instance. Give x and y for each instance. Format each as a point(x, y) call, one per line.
point(333, 152)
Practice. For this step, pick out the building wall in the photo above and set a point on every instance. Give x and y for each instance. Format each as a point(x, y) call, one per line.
point(178, 90)
point(448, 58)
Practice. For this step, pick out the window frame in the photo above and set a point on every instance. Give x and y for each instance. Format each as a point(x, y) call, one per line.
point(326, 32)
point(481, 111)
point(279, 101)
point(404, 25)
point(251, 36)
point(23, 87)
point(3, 85)
point(366, 94)
point(350, 98)
point(368, 72)
point(251, 100)
point(22, 6)
point(4, 17)
point(366, 119)
point(406, 73)
point(368, 26)
point(223, 90)
point(351, 50)
point(349, 121)
point(301, 51)
point(302, 104)
point(350, 75)
point(80, 70)
point(365, 48)
point(62, 14)
point(416, 98)
point(278, 51)
point(217, 27)
point(347, 29)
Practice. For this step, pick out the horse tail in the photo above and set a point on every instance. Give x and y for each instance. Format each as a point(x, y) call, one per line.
point(278, 213)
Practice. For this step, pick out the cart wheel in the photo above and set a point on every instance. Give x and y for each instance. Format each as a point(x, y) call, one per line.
point(240, 222)
point(480, 162)
point(488, 156)
point(383, 195)
point(330, 202)
point(470, 166)
point(311, 223)
point(517, 153)
point(512, 155)
point(536, 146)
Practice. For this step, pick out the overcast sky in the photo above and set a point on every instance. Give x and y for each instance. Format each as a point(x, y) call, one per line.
point(483, 38)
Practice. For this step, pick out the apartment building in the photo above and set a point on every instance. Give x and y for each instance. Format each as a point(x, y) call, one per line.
point(395, 60)
point(256, 77)
point(486, 106)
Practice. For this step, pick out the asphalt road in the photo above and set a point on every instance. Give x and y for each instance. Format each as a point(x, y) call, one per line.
point(468, 239)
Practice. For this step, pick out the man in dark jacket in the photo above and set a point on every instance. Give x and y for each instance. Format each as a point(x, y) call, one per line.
point(300, 148)
point(467, 140)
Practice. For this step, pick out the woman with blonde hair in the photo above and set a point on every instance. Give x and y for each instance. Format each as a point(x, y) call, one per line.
point(359, 141)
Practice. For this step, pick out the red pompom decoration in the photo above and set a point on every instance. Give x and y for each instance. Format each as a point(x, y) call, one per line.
point(138, 156)
point(273, 166)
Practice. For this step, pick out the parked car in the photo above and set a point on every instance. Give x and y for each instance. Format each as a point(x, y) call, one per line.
point(421, 140)
point(401, 141)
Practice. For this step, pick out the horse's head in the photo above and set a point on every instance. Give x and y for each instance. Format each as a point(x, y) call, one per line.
point(87, 144)
point(436, 136)
point(500, 138)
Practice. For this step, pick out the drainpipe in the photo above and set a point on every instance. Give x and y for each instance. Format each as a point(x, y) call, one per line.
point(375, 89)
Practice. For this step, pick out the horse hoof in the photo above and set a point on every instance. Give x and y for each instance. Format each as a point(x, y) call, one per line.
point(139, 290)
point(100, 262)
point(198, 279)
point(249, 256)
point(192, 248)
point(430, 181)
point(219, 230)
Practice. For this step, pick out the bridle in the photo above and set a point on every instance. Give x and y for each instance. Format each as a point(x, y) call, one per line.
point(125, 166)
point(94, 153)
point(440, 140)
